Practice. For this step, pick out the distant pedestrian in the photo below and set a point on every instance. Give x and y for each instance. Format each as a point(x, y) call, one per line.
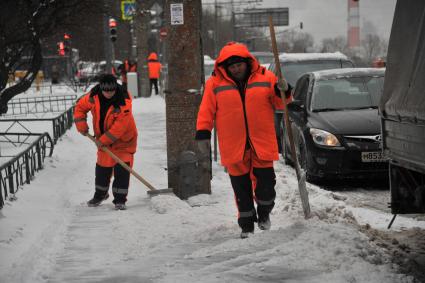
point(241, 97)
point(114, 127)
point(126, 67)
point(154, 68)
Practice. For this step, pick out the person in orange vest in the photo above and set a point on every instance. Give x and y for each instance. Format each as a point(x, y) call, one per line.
point(154, 68)
point(126, 67)
point(240, 97)
point(114, 127)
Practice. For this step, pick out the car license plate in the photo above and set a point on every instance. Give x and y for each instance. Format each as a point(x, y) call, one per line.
point(373, 156)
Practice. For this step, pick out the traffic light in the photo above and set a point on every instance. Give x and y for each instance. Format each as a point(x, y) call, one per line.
point(113, 29)
point(67, 42)
point(61, 48)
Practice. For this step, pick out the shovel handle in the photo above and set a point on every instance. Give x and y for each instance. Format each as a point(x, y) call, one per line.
point(300, 176)
point(286, 116)
point(123, 164)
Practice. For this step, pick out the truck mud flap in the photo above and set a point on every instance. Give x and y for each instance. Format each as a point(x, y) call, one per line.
point(407, 190)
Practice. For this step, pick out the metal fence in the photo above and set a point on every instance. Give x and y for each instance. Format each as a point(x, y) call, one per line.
point(41, 104)
point(60, 123)
point(21, 169)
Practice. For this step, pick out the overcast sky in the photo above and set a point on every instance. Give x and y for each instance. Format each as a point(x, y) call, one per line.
point(328, 18)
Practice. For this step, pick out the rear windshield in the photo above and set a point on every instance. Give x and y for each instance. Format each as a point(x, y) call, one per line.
point(293, 70)
point(264, 59)
point(347, 93)
point(208, 69)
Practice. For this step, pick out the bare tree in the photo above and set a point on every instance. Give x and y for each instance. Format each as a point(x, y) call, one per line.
point(373, 46)
point(295, 41)
point(224, 31)
point(338, 43)
point(23, 24)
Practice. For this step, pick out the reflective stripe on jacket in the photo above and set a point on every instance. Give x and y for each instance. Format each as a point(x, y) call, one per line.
point(236, 121)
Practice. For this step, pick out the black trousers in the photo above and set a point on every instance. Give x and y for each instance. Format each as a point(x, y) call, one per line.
point(119, 186)
point(264, 194)
point(153, 82)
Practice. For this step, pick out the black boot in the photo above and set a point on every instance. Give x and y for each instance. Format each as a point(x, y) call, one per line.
point(97, 200)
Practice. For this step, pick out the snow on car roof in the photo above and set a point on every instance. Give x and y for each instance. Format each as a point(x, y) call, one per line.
point(348, 72)
point(294, 57)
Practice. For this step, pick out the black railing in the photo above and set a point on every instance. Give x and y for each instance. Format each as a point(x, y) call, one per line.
point(42, 104)
point(21, 168)
point(60, 123)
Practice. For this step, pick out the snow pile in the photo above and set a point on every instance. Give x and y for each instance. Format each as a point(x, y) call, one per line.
point(50, 235)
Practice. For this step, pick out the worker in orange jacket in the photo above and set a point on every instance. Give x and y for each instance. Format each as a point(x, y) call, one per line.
point(154, 68)
point(124, 68)
point(114, 127)
point(241, 97)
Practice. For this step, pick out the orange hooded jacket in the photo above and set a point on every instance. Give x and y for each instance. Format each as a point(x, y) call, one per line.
point(237, 120)
point(126, 68)
point(119, 133)
point(154, 66)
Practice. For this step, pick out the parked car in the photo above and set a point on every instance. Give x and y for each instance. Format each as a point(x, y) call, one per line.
point(294, 65)
point(208, 66)
point(101, 68)
point(336, 125)
point(86, 71)
point(265, 58)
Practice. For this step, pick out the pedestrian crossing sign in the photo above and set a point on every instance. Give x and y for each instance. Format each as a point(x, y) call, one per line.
point(128, 9)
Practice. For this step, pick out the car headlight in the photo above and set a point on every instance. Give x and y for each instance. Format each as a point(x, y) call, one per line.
point(324, 138)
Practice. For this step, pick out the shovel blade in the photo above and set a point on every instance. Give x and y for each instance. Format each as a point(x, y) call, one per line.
point(304, 194)
point(161, 191)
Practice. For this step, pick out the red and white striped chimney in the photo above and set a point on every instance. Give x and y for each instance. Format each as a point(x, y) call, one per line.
point(353, 36)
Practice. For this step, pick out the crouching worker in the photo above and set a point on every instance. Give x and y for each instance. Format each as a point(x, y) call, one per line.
point(241, 97)
point(114, 127)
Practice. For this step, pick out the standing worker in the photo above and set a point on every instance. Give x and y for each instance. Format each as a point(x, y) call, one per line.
point(114, 127)
point(241, 97)
point(154, 68)
point(126, 67)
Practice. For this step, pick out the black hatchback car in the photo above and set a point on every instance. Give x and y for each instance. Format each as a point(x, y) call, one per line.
point(336, 125)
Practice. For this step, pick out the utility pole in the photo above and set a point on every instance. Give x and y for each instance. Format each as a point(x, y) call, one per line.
point(133, 53)
point(106, 40)
point(183, 96)
point(215, 29)
point(143, 31)
point(233, 22)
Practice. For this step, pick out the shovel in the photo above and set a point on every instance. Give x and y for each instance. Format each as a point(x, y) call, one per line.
point(153, 191)
point(300, 173)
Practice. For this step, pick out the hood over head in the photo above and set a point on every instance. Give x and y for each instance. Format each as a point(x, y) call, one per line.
point(231, 53)
point(153, 56)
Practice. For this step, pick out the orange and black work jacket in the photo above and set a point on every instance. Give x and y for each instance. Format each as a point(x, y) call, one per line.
point(154, 67)
point(126, 68)
point(117, 130)
point(241, 118)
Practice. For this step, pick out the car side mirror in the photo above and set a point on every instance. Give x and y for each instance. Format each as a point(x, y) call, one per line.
point(296, 106)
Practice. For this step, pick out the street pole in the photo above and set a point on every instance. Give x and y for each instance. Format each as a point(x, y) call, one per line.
point(183, 96)
point(106, 39)
point(143, 31)
point(133, 52)
point(233, 22)
point(215, 30)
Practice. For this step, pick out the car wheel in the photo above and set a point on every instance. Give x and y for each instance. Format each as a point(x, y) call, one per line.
point(303, 160)
point(285, 148)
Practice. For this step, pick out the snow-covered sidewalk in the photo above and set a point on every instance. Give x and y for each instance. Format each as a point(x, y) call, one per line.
point(50, 235)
